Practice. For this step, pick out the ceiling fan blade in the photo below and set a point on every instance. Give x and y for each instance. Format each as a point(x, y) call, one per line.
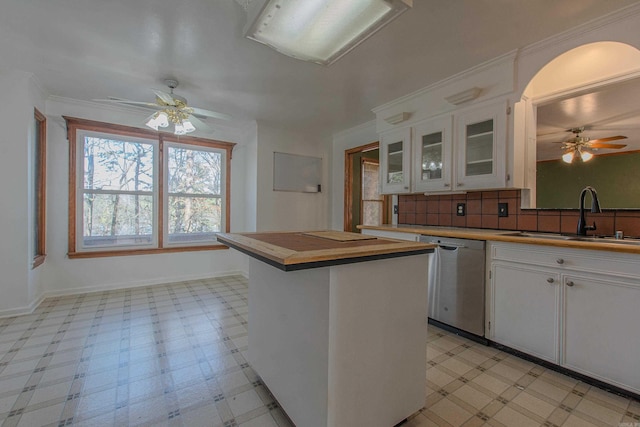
point(611, 138)
point(129, 102)
point(604, 145)
point(199, 124)
point(164, 97)
point(202, 113)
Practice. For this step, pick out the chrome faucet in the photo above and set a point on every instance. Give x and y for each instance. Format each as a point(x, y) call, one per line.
point(595, 208)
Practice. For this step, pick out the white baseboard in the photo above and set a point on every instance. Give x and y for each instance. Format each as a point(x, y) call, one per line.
point(112, 287)
point(11, 312)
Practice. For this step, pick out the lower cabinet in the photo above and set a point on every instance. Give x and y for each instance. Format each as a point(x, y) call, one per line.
point(601, 329)
point(576, 308)
point(525, 313)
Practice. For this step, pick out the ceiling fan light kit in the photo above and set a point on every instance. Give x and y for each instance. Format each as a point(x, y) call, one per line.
point(576, 146)
point(172, 109)
point(568, 156)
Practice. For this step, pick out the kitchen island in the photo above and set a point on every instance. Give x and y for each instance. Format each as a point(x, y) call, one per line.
point(337, 324)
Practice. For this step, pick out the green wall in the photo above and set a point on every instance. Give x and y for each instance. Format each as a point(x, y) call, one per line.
point(616, 178)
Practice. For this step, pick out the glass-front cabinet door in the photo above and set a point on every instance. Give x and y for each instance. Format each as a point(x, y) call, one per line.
point(481, 147)
point(395, 155)
point(432, 155)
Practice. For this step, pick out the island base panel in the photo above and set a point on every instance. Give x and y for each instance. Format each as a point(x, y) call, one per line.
point(342, 345)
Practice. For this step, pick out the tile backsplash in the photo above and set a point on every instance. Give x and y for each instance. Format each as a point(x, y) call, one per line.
point(482, 212)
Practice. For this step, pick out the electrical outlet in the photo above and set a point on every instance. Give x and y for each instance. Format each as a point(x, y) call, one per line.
point(395, 209)
point(503, 209)
point(461, 209)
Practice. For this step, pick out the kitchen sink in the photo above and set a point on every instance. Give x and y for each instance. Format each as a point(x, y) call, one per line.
point(573, 237)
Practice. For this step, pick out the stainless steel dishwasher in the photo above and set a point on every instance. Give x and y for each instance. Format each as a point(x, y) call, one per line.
point(456, 283)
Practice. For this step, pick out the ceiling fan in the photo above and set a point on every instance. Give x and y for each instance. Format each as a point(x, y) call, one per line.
point(577, 145)
point(171, 109)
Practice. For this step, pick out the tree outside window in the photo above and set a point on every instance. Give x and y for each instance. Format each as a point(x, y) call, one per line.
point(373, 206)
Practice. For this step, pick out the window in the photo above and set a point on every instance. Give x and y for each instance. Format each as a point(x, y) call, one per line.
point(39, 191)
point(194, 193)
point(134, 191)
point(373, 205)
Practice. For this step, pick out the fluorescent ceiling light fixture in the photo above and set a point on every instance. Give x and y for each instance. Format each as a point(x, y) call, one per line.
point(321, 31)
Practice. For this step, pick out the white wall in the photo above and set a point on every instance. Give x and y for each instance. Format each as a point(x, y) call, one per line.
point(354, 137)
point(281, 210)
point(15, 120)
point(244, 185)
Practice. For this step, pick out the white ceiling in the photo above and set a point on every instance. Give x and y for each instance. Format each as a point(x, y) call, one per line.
point(86, 49)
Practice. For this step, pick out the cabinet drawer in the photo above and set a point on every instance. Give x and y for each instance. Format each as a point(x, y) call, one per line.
point(601, 262)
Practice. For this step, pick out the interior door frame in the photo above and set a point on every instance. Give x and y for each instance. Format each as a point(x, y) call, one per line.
point(348, 180)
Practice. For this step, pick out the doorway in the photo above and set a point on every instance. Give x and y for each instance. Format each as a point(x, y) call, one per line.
point(362, 202)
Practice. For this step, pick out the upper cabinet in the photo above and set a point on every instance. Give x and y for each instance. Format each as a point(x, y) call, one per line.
point(454, 152)
point(461, 132)
point(432, 162)
point(481, 145)
point(395, 158)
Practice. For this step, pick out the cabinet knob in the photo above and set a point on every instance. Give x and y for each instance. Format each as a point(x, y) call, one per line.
point(560, 261)
point(460, 184)
point(406, 188)
point(446, 184)
point(570, 283)
point(550, 280)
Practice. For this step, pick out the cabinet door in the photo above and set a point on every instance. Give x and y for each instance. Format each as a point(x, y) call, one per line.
point(432, 155)
point(524, 309)
point(395, 155)
point(481, 147)
point(602, 329)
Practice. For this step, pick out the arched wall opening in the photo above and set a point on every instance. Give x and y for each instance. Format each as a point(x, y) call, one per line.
point(576, 89)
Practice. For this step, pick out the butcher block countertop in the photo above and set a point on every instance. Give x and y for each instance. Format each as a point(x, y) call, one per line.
point(512, 236)
point(301, 250)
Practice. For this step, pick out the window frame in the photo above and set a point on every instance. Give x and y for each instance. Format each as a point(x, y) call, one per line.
point(40, 187)
point(76, 126)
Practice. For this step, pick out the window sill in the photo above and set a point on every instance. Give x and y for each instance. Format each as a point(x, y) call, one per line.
point(127, 252)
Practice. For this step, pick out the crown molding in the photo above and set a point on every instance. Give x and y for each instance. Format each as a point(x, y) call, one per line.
point(628, 12)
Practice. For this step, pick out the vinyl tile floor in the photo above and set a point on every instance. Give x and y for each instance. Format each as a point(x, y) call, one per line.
point(175, 355)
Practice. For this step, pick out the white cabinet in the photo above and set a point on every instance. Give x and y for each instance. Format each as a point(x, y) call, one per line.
point(601, 323)
point(577, 308)
point(525, 315)
point(432, 159)
point(481, 146)
point(462, 151)
point(395, 161)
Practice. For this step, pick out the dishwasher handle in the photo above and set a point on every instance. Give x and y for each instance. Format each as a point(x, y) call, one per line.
point(449, 247)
